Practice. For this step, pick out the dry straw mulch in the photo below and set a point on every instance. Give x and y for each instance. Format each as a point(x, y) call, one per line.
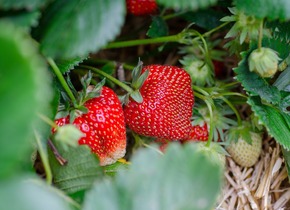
point(263, 186)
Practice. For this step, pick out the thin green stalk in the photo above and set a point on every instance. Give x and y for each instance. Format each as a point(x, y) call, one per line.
point(210, 134)
point(47, 120)
point(172, 38)
point(200, 96)
point(230, 94)
point(229, 85)
point(173, 15)
point(234, 110)
point(212, 30)
point(113, 79)
point(104, 61)
point(131, 43)
point(44, 159)
point(199, 89)
point(260, 35)
point(62, 80)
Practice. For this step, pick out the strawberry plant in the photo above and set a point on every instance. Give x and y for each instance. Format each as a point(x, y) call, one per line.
point(137, 104)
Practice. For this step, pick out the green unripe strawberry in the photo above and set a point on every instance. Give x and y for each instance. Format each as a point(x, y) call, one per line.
point(244, 153)
point(264, 61)
point(200, 72)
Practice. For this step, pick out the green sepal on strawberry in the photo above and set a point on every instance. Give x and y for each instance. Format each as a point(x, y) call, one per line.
point(166, 108)
point(141, 7)
point(245, 145)
point(102, 123)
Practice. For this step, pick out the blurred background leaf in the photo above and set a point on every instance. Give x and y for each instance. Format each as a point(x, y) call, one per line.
point(30, 193)
point(25, 92)
point(183, 178)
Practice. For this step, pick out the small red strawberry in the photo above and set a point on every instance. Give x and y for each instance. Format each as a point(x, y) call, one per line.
point(141, 7)
point(198, 133)
point(103, 126)
point(166, 108)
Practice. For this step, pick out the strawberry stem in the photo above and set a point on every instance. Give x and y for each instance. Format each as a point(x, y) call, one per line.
point(173, 38)
point(44, 158)
point(260, 35)
point(234, 109)
point(130, 43)
point(62, 80)
point(113, 79)
point(211, 127)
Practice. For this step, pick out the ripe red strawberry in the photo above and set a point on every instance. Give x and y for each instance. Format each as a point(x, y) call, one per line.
point(141, 7)
point(166, 108)
point(103, 126)
point(198, 133)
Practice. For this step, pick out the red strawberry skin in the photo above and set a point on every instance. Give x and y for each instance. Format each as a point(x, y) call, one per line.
point(198, 133)
point(167, 104)
point(103, 126)
point(141, 7)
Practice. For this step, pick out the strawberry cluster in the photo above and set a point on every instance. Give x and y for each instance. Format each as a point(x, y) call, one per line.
point(164, 112)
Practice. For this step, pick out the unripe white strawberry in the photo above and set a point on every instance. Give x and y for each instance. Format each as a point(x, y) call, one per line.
point(246, 154)
point(264, 61)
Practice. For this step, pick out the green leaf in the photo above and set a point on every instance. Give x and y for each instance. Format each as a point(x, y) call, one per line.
point(76, 28)
point(21, 4)
point(279, 44)
point(207, 19)
point(65, 65)
point(279, 29)
point(81, 170)
point(186, 4)
point(276, 122)
point(254, 84)
point(157, 28)
point(31, 194)
point(183, 178)
point(285, 104)
point(278, 9)
point(283, 81)
point(25, 92)
point(24, 19)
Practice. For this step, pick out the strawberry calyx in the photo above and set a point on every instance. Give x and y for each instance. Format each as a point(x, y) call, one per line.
point(77, 108)
point(241, 131)
point(245, 27)
point(138, 79)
